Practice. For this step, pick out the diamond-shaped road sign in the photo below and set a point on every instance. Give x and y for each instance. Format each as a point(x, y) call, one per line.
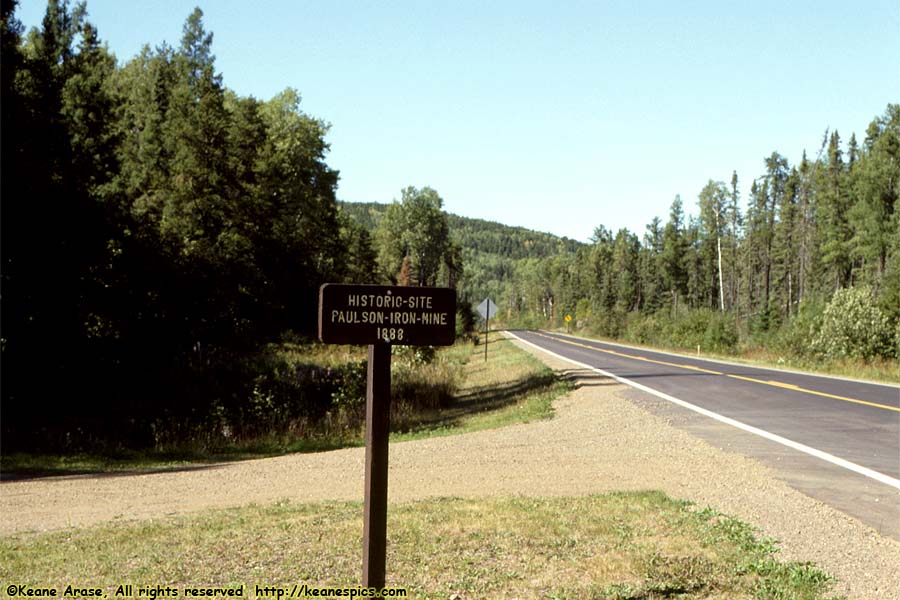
point(487, 309)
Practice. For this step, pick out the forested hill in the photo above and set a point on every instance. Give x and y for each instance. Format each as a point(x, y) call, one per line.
point(479, 235)
point(490, 249)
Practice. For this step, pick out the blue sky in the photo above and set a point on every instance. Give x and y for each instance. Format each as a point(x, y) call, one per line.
point(554, 116)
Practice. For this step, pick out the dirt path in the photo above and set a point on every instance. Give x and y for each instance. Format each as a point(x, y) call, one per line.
point(598, 442)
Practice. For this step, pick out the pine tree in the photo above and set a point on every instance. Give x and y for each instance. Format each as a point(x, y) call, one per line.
point(733, 237)
point(58, 154)
point(833, 202)
point(651, 251)
point(625, 268)
point(784, 247)
point(877, 189)
point(674, 255)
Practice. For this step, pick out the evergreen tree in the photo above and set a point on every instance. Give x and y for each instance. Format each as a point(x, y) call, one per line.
point(362, 262)
point(674, 254)
point(784, 247)
point(625, 269)
point(733, 238)
point(601, 286)
point(651, 286)
point(807, 235)
point(877, 188)
point(833, 202)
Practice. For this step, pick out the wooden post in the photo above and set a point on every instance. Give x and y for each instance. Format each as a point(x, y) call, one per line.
point(378, 427)
point(487, 328)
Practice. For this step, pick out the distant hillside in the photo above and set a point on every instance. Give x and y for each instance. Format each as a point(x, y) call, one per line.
point(490, 250)
point(479, 235)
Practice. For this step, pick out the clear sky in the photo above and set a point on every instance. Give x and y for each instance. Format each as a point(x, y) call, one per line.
point(557, 116)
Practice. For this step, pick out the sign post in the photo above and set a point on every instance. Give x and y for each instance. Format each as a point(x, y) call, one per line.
point(487, 309)
point(381, 316)
point(378, 429)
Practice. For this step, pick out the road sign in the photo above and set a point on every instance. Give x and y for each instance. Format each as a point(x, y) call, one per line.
point(399, 315)
point(568, 318)
point(487, 309)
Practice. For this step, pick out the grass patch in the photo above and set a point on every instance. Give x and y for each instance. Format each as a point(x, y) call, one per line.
point(615, 546)
point(510, 387)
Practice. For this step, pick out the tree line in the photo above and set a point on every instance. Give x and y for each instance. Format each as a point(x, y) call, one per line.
point(811, 233)
point(159, 230)
point(817, 238)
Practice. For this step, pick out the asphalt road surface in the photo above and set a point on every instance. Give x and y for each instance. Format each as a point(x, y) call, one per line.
point(835, 439)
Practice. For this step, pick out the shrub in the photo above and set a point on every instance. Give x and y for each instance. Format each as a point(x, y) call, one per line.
point(644, 329)
point(798, 335)
point(609, 323)
point(721, 333)
point(853, 326)
point(689, 330)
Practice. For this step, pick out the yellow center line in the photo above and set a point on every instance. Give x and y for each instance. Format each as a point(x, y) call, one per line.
point(772, 382)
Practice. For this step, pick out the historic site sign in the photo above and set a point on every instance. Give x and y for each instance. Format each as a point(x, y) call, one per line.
point(374, 314)
point(381, 316)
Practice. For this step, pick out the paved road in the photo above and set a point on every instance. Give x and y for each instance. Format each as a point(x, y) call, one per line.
point(845, 434)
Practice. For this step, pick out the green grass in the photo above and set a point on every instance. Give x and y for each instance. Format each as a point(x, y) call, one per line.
point(619, 546)
point(510, 387)
point(616, 546)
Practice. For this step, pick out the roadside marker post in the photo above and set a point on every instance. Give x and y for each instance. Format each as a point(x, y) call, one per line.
point(382, 316)
point(487, 309)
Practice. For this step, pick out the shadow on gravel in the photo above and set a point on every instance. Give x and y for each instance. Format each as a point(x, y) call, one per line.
point(68, 473)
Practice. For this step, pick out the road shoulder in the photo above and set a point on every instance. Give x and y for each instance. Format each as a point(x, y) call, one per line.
point(706, 464)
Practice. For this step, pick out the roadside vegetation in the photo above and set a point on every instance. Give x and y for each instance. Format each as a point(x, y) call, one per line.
point(434, 392)
point(802, 271)
point(160, 285)
point(848, 336)
point(613, 546)
point(164, 240)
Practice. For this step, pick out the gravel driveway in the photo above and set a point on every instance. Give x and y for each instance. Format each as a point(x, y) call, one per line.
point(598, 442)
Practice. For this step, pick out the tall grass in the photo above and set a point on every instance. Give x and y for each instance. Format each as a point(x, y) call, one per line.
point(312, 397)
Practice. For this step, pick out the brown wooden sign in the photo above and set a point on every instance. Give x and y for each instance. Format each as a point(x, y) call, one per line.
point(381, 315)
point(375, 314)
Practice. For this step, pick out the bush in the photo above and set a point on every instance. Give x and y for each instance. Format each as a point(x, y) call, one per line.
point(798, 336)
point(688, 330)
point(713, 331)
point(465, 321)
point(854, 327)
point(721, 333)
point(644, 329)
point(610, 323)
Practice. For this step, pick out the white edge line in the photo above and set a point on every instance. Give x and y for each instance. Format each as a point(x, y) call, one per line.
point(835, 460)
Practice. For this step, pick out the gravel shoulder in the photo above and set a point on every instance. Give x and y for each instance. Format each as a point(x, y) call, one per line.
point(599, 441)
